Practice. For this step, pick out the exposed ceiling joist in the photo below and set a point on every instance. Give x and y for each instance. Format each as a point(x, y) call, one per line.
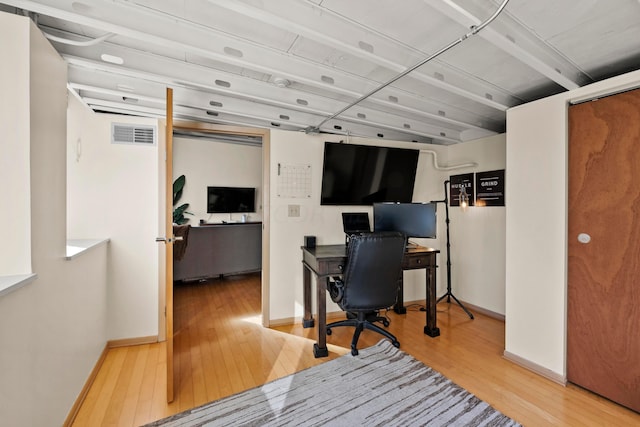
point(333, 64)
point(327, 38)
point(518, 42)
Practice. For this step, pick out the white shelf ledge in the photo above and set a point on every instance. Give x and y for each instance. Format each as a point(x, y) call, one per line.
point(11, 283)
point(77, 247)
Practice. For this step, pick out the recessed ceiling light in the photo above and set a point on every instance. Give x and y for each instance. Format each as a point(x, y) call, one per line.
point(215, 104)
point(112, 59)
point(233, 52)
point(125, 88)
point(327, 79)
point(222, 83)
point(81, 7)
point(365, 46)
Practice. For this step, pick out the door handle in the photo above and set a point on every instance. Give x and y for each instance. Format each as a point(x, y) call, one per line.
point(584, 238)
point(170, 240)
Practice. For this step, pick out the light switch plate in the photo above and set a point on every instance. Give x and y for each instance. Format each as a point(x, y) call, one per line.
point(294, 210)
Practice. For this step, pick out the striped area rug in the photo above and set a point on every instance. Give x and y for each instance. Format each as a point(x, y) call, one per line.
point(382, 386)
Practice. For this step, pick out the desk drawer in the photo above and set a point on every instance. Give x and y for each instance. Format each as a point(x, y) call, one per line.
point(416, 261)
point(334, 267)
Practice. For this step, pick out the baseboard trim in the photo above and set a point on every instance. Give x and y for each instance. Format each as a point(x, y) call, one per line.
point(334, 314)
point(286, 321)
point(534, 367)
point(477, 309)
point(73, 413)
point(132, 341)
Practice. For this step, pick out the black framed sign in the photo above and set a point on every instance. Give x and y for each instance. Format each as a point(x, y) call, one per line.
point(456, 182)
point(490, 188)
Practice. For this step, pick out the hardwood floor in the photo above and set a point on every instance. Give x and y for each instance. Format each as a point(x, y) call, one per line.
point(221, 348)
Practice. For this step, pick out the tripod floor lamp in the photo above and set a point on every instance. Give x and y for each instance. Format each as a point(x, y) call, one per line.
point(464, 199)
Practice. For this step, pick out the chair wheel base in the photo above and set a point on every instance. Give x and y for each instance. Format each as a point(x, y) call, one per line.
point(328, 331)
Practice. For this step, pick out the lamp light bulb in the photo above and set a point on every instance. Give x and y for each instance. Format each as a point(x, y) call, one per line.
point(463, 198)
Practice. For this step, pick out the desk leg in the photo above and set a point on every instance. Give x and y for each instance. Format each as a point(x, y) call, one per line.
point(320, 347)
point(431, 329)
point(399, 306)
point(307, 320)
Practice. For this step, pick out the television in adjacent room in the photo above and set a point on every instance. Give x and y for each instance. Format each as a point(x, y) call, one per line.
point(413, 219)
point(360, 175)
point(231, 199)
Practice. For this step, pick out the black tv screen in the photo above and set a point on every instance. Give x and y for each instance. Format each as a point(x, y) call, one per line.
point(413, 219)
point(362, 174)
point(231, 199)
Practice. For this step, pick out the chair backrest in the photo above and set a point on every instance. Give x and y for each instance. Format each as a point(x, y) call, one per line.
point(373, 268)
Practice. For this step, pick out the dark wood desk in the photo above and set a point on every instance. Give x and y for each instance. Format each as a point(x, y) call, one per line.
point(328, 260)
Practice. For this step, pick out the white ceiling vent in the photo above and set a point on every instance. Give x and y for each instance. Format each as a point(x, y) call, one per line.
point(133, 134)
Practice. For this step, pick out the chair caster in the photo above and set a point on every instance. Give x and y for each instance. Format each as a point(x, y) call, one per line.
point(354, 351)
point(385, 322)
point(328, 331)
point(396, 344)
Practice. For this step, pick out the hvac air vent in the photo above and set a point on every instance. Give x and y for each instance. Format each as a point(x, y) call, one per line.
point(133, 134)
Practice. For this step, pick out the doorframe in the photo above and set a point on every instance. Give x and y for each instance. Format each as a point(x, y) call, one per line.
point(265, 134)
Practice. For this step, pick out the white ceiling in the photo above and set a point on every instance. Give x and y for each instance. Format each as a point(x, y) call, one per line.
point(224, 59)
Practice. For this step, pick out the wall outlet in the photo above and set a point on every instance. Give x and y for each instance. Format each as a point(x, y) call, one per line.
point(294, 210)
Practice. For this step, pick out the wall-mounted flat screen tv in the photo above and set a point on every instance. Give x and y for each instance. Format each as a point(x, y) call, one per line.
point(231, 199)
point(363, 174)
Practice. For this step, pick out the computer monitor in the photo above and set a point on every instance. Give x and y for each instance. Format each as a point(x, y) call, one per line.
point(413, 219)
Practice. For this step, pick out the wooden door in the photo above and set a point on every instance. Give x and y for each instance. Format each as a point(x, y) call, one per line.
point(169, 244)
point(603, 312)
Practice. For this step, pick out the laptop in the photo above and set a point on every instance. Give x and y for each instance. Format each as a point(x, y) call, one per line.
point(355, 223)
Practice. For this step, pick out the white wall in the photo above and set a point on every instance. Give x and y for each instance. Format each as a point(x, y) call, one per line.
point(483, 236)
point(113, 193)
point(536, 224)
point(478, 235)
point(206, 162)
point(52, 330)
point(15, 254)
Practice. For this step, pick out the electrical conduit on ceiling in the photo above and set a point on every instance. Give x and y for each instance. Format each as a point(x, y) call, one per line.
point(474, 30)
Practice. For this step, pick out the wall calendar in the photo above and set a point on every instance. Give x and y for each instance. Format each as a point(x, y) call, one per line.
point(294, 181)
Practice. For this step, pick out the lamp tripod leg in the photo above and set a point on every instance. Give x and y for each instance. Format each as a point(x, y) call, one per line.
point(461, 306)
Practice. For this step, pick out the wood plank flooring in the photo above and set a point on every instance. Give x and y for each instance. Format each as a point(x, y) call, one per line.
point(221, 348)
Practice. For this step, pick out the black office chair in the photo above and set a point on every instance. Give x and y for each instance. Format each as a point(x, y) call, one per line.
point(369, 283)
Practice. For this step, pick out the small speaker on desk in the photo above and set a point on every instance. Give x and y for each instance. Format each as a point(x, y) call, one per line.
point(309, 241)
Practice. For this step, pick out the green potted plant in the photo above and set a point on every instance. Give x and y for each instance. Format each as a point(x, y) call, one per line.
point(179, 211)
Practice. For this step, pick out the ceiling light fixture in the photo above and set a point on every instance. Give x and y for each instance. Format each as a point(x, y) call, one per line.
point(281, 82)
point(112, 59)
